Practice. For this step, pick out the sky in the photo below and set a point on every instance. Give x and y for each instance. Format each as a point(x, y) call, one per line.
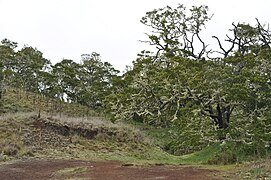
point(65, 29)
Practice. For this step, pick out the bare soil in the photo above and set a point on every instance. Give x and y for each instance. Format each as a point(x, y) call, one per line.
point(102, 170)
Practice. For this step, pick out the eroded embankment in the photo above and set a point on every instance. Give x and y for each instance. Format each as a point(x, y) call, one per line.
point(24, 136)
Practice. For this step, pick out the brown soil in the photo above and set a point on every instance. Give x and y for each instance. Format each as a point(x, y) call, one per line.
point(102, 170)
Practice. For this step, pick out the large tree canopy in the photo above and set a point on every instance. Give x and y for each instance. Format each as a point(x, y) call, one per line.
point(218, 93)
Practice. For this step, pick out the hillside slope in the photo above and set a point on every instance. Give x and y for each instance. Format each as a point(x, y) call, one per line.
point(25, 135)
point(34, 127)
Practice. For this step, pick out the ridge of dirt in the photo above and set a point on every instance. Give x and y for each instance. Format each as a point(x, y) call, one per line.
point(23, 137)
point(87, 130)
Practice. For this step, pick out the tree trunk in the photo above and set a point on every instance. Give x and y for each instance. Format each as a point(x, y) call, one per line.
point(223, 117)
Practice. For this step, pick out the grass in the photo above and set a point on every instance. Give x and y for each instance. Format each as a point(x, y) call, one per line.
point(16, 100)
point(72, 171)
point(257, 172)
point(127, 144)
point(201, 157)
point(11, 144)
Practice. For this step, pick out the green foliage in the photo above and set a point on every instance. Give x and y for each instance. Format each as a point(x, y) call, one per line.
point(87, 83)
point(96, 80)
point(173, 30)
point(227, 154)
point(204, 100)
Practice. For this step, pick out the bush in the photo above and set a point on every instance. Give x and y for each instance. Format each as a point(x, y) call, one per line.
point(224, 157)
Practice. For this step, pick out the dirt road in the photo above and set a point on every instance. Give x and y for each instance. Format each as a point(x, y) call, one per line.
point(103, 170)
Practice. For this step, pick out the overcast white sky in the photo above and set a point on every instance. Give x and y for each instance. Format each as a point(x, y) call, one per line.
point(68, 28)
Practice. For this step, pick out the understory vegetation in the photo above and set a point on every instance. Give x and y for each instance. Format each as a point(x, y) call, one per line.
point(183, 104)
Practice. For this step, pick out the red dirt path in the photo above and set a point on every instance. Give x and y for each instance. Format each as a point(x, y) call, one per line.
point(101, 170)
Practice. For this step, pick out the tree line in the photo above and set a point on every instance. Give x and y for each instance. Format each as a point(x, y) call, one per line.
point(85, 83)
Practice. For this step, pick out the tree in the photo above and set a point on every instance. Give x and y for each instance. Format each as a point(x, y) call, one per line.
point(96, 80)
point(29, 67)
point(213, 99)
point(7, 58)
point(66, 80)
point(174, 31)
